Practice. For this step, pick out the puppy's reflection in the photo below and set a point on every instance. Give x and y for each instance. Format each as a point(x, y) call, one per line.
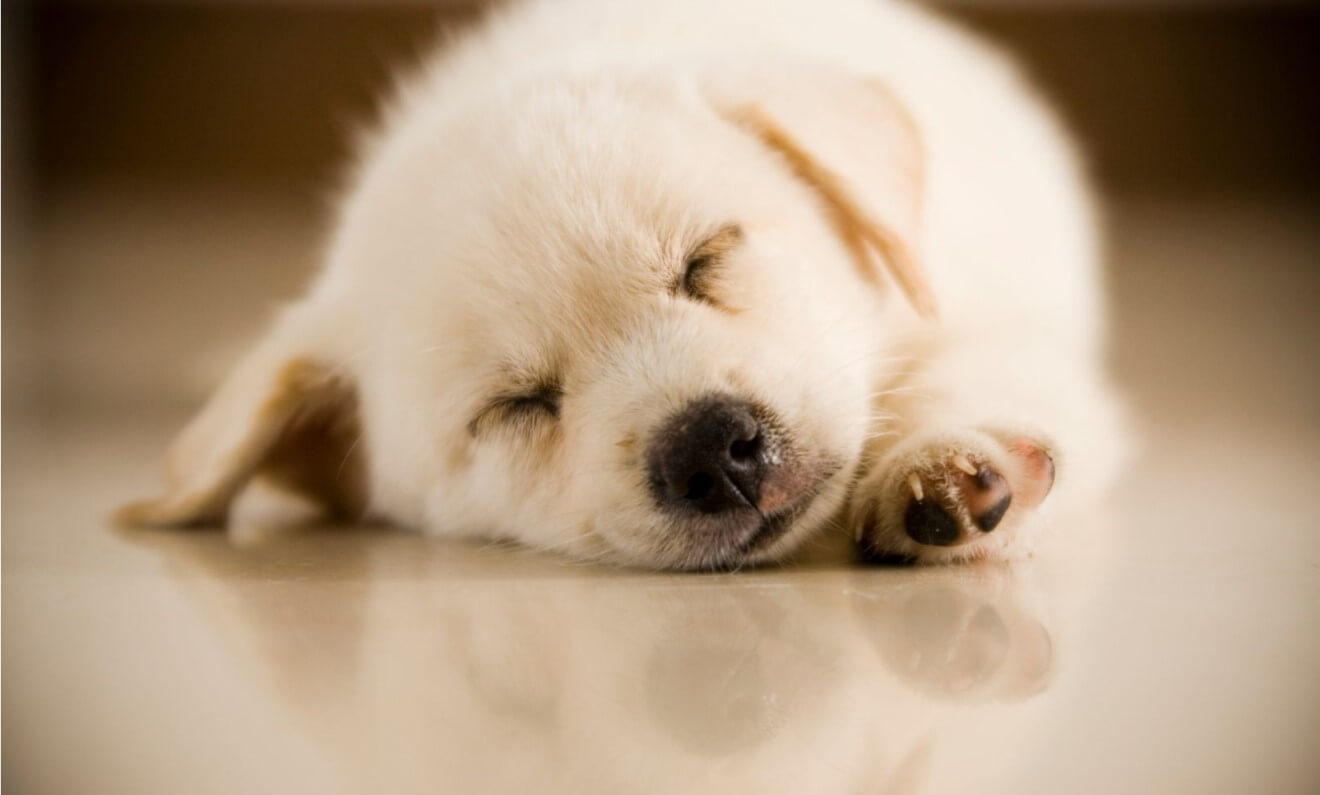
point(418, 662)
point(731, 682)
point(296, 605)
point(966, 637)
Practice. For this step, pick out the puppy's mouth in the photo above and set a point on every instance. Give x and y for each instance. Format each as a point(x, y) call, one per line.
point(773, 526)
point(746, 536)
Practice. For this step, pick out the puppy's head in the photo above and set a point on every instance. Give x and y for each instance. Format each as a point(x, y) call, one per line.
point(628, 316)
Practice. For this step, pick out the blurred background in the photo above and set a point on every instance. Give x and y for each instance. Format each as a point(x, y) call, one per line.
point(168, 165)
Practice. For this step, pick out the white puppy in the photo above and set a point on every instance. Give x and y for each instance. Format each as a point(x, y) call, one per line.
point(677, 284)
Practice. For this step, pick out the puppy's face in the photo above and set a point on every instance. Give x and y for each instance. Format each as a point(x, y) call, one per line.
point(610, 317)
point(646, 339)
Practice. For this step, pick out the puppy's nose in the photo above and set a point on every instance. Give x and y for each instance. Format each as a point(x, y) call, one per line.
point(711, 457)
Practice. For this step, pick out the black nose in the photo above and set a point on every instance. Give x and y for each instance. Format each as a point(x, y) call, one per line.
point(710, 457)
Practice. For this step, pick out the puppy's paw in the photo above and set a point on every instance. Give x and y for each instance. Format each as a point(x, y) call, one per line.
point(945, 497)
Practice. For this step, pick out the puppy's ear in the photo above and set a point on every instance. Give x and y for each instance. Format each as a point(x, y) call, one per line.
point(286, 415)
point(850, 140)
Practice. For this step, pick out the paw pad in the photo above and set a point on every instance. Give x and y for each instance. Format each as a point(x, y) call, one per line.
point(952, 505)
point(956, 491)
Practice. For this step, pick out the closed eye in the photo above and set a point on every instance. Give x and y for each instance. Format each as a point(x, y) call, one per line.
point(701, 267)
point(539, 404)
point(698, 273)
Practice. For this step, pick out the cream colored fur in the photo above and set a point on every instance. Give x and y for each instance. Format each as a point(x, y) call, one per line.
point(525, 208)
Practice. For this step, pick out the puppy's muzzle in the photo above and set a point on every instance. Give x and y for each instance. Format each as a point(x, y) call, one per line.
point(726, 473)
point(711, 458)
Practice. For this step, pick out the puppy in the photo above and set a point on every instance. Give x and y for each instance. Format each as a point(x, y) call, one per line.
point(679, 285)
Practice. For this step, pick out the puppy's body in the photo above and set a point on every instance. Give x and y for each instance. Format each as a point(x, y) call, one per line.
point(592, 227)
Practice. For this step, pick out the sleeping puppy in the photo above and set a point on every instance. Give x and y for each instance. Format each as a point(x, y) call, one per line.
point(679, 285)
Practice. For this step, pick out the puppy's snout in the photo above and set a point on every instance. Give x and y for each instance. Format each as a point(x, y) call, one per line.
point(711, 457)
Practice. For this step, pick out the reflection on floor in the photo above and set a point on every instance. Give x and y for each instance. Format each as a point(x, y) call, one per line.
point(1168, 642)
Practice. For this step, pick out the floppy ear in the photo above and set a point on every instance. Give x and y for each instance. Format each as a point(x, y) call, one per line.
point(285, 415)
point(849, 139)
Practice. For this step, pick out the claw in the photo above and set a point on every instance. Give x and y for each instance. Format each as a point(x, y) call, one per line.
point(914, 483)
point(962, 463)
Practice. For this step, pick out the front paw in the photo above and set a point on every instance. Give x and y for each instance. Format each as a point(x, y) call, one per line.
point(944, 497)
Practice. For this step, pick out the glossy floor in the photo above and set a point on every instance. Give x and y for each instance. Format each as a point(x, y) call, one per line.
point(1172, 645)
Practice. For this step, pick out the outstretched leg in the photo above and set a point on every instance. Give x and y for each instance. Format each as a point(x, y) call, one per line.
point(975, 433)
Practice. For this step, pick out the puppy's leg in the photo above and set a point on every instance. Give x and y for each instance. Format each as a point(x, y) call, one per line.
point(975, 434)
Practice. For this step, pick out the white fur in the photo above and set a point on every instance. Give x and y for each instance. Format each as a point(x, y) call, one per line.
point(524, 200)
